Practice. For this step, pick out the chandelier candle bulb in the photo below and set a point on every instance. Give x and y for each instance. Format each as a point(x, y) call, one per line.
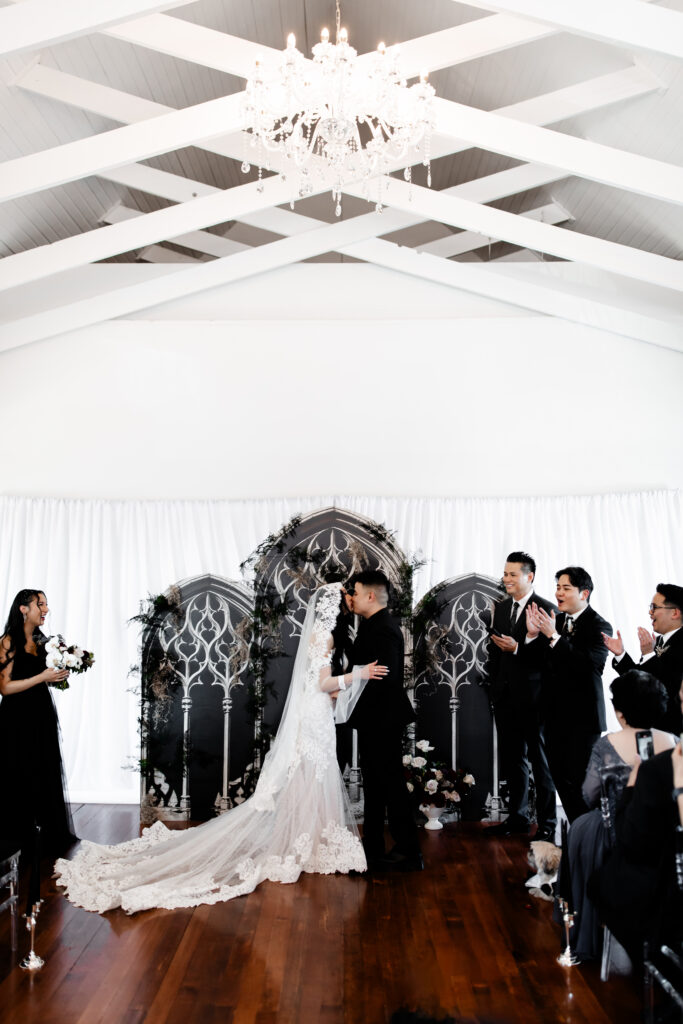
point(334, 119)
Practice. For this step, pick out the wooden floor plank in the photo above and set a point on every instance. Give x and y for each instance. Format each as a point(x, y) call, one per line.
point(463, 938)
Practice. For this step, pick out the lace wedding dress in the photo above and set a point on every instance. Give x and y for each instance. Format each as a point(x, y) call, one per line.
point(298, 818)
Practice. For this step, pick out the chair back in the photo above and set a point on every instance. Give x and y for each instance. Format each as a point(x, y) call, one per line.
point(613, 779)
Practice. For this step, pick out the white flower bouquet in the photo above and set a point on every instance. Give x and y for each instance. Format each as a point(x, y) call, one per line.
point(61, 655)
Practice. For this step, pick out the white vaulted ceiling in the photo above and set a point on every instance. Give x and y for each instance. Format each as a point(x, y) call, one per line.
point(558, 138)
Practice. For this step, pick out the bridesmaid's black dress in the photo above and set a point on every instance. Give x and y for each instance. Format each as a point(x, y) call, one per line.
point(31, 769)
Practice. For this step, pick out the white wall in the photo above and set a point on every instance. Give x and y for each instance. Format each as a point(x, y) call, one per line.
point(439, 401)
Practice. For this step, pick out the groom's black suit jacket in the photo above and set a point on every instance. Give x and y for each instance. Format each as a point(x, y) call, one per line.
point(384, 704)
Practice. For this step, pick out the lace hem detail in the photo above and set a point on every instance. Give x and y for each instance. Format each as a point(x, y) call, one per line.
point(88, 885)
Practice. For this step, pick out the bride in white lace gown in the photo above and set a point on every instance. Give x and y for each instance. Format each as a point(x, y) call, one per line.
point(298, 818)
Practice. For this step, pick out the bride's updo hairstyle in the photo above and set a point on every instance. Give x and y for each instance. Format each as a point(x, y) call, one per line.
point(640, 697)
point(14, 627)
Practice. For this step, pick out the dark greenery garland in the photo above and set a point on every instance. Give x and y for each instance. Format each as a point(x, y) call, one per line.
point(157, 689)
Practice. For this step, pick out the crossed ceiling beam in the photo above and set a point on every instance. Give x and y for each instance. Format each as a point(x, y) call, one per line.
point(237, 56)
point(343, 237)
point(198, 211)
point(194, 125)
point(168, 131)
point(210, 244)
point(626, 23)
point(32, 24)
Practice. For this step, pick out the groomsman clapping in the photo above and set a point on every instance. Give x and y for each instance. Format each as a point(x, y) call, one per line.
point(661, 650)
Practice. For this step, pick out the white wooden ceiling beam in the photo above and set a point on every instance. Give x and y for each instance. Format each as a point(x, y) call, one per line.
point(187, 282)
point(215, 245)
point(626, 23)
point(110, 103)
point(85, 157)
point(39, 23)
point(560, 104)
point(467, 241)
point(158, 254)
point(137, 232)
point(200, 241)
point(508, 227)
point(591, 160)
point(236, 56)
point(481, 279)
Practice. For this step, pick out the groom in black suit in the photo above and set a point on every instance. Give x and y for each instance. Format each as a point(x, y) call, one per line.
point(515, 692)
point(572, 655)
point(380, 716)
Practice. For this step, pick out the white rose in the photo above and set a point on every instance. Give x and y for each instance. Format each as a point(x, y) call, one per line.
point(78, 653)
point(469, 779)
point(438, 773)
point(410, 786)
point(71, 661)
point(51, 645)
point(422, 745)
point(432, 786)
point(419, 762)
point(54, 660)
point(407, 759)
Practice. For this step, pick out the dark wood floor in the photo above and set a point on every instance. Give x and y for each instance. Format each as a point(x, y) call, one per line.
point(463, 939)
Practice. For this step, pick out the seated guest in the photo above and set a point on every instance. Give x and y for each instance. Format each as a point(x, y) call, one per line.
point(635, 890)
point(661, 651)
point(638, 700)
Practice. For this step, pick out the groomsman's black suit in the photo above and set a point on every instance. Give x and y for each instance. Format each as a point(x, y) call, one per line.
point(515, 692)
point(573, 704)
point(668, 668)
point(380, 716)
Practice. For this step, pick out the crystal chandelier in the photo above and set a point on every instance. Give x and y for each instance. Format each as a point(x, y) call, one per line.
point(336, 117)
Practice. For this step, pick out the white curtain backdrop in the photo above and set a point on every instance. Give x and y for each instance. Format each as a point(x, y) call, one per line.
point(96, 560)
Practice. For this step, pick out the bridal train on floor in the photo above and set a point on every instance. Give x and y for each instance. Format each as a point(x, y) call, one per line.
point(298, 819)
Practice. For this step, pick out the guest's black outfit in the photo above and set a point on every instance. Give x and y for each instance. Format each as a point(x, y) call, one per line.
point(515, 692)
point(666, 664)
point(635, 890)
point(31, 767)
point(573, 700)
point(590, 844)
point(380, 716)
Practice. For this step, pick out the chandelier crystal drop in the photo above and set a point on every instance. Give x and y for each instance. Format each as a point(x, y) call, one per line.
point(337, 117)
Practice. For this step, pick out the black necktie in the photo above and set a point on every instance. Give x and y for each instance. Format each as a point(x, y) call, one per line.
point(513, 616)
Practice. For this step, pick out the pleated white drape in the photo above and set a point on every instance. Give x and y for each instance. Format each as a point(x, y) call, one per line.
point(96, 560)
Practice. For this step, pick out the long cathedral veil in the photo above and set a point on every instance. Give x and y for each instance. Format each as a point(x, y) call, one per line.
point(298, 818)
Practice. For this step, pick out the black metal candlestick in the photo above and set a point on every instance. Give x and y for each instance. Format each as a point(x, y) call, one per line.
point(32, 962)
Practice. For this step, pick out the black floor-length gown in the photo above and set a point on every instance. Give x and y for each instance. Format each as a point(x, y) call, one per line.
point(31, 768)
